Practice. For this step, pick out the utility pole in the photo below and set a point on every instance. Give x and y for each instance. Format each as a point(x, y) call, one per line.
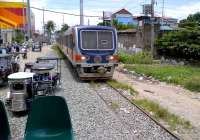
point(63, 19)
point(81, 13)
point(28, 15)
point(152, 27)
point(103, 18)
point(1, 40)
point(43, 26)
point(23, 21)
point(163, 7)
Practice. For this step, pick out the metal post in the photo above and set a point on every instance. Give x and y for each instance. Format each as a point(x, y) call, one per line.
point(23, 20)
point(103, 18)
point(0, 37)
point(63, 19)
point(152, 27)
point(43, 26)
point(163, 6)
point(81, 13)
point(28, 14)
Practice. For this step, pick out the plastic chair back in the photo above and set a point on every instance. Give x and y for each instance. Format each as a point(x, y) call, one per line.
point(49, 119)
point(4, 125)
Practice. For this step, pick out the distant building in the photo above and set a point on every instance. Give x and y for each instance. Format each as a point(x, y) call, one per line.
point(161, 25)
point(122, 16)
point(168, 24)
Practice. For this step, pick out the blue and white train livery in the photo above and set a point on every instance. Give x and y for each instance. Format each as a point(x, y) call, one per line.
point(92, 50)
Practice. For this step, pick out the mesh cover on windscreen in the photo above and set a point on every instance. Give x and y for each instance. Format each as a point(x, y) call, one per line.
point(105, 40)
point(89, 39)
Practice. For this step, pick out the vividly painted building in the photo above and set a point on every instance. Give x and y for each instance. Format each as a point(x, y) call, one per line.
point(123, 16)
point(13, 16)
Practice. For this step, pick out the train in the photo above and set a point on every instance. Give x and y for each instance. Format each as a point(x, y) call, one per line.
point(92, 50)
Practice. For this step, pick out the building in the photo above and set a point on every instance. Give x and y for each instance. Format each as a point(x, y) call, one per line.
point(122, 16)
point(160, 25)
point(13, 16)
point(129, 41)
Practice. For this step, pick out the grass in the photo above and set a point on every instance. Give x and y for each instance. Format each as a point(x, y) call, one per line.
point(123, 86)
point(186, 76)
point(138, 58)
point(163, 114)
point(114, 105)
point(55, 47)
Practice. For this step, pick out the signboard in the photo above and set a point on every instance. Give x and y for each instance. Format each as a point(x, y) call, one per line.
point(147, 9)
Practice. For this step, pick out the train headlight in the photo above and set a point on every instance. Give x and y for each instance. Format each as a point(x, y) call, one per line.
point(111, 58)
point(114, 58)
point(83, 58)
point(80, 58)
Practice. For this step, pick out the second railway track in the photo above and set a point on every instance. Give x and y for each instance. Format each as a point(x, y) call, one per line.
point(138, 121)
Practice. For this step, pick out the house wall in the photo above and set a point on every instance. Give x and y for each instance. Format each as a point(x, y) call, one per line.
point(129, 42)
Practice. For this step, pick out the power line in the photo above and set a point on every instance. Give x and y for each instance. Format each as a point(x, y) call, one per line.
point(65, 13)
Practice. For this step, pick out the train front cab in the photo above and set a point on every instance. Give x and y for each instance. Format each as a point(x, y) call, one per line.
point(97, 52)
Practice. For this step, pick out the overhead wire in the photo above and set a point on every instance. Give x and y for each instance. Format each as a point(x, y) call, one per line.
point(65, 13)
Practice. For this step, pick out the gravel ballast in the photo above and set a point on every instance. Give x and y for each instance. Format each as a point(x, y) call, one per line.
point(92, 118)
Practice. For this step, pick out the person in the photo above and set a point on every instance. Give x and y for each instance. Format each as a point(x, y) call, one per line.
point(9, 47)
point(17, 48)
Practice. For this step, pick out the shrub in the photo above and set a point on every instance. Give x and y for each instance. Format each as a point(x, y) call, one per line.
point(138, 58)
point(193, 84)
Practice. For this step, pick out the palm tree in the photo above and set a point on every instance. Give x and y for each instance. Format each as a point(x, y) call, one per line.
point(64, 27)
point(50, 28)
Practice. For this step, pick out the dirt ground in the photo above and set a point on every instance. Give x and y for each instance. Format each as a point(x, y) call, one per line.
point(177, 100)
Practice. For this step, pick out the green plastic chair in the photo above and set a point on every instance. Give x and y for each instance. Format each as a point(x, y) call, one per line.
point(49, 119)
point(4, 125)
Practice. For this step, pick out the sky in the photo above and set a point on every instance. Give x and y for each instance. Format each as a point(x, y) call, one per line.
point(179, 9)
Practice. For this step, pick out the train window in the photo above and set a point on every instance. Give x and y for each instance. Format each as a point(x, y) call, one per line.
point(71, 41)
point(105, 40)
point(89, 40)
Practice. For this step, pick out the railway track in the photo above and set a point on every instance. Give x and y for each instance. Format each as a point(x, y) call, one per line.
point(120, 93)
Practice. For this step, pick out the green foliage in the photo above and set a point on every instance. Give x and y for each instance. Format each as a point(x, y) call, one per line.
point(106, 23)
point(138, 58)
point(64, 28)
point(50, 28)
point(183, 43)
point(187, 76)
point(19, 36)
point(161, 113)
point(56, 48)
point(193, 83)
point(123, 86)
point(120, 26)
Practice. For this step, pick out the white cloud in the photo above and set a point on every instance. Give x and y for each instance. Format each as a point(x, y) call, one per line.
point(183, 11)
point(58, 18)
point(180, 12)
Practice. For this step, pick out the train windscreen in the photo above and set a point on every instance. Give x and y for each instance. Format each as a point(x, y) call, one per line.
point(105, 40)
point(97, 40)
point(89, 40)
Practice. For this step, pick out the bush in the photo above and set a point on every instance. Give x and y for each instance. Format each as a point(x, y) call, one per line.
point(19, 36)
point(138, 58)
point(183, 43)
point(193, 84)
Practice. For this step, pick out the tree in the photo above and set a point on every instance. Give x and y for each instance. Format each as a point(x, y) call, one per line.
point(50, 28)
point(19, 36)
point(183, 43)
point(191, 21)
point(64, 27)
point(105, 23)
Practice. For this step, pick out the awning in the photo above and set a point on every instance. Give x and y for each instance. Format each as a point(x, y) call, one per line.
point(12, 15)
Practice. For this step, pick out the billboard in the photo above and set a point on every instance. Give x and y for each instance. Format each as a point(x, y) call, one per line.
point(12, 15)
